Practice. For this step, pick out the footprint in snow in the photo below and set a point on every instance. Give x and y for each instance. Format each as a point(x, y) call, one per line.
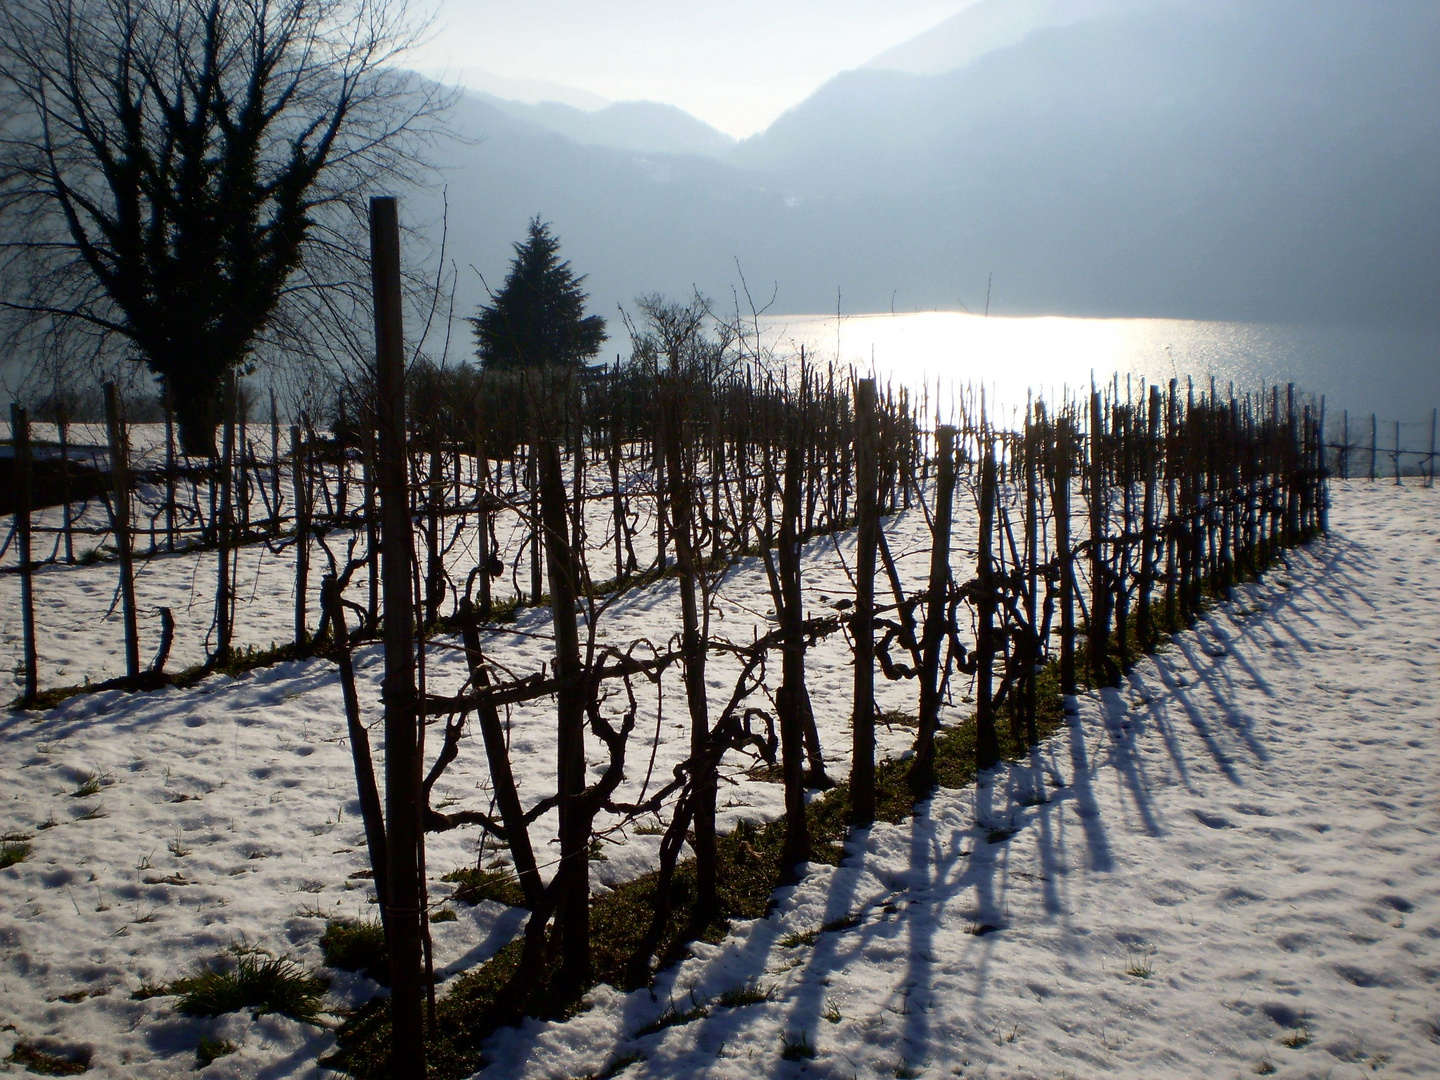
point(1214, 821)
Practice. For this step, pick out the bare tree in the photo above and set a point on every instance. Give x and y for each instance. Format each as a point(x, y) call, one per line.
point(180, 179)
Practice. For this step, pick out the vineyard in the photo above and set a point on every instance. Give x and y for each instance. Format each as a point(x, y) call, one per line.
point(708, 613)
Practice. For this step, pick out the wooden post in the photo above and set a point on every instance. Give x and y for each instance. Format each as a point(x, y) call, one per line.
point(692, 646)
point(532, 476)
point(300, 486)
point(20, 437)
point(224, 523)
point(862, 768)
point(1431, 480)
point(1397, 453)
point(169, 470)
point(120, 522)
point(987, 744)
point(1064, 455)
point(1035, 647)
point(1144, 629)
point(573, 913)
point(62, 428)
point(402, 734)
point(1374, 446)
point(274, 466)
point(937, 605)
point(1100, 594)
point(796, 847)
point(1345, 447)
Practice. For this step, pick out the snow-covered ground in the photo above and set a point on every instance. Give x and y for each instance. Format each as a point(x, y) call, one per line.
point(1238, 851)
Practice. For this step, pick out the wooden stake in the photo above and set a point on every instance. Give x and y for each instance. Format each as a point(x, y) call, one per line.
point(402, 735)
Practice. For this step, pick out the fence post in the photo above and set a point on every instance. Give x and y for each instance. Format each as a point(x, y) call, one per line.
point(299, 485)
point(1374, 446)
point(933, 637)
point(1431, 479)
point(1397, 453)
point(1099, 569)
point(862, 768)
point(120, 520)
point(402, 736)
point(987, 745)
point(224, 527)
point(573, 910)
point(20, 436)
point(1064, 452)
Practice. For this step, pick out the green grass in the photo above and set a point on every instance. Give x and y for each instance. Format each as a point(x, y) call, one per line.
point(357, 945)
point(12, 852)
point(263, 984)
point(475, 884)
point(672, 1017)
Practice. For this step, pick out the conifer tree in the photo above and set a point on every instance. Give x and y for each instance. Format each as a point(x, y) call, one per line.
point(538, 316)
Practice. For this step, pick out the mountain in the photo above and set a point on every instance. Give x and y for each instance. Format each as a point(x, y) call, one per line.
point(986, 26)
point(1264, 160)
point(646, 127)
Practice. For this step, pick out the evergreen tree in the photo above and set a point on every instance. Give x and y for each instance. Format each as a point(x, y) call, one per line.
point(538, 316)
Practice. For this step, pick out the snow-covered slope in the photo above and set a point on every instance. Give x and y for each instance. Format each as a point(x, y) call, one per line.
point(1236, 849)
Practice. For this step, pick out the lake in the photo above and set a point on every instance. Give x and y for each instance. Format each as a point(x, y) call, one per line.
point(1393, 373)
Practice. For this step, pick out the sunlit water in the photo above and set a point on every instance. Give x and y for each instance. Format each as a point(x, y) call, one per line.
point(1392, 373)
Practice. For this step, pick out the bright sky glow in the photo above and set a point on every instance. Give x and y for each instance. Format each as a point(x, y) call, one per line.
point(737, 65)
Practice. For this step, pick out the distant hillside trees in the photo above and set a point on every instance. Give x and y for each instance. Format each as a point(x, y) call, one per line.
point(538, 317)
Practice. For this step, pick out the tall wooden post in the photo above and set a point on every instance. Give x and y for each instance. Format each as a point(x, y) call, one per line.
point(987, 744)
point(274, 465)
point(573, 913)
point(1150, 456)
point(1064, 457)
point(120, 522)
point(299, 481)
point(169, 470)
point(1100, 593)
point(224, 521)
point(790, 700)
point(402, 736)
point(933, 636)
point(862, 768)
point(1431, 480)
point(692, 643)
point(20, 437)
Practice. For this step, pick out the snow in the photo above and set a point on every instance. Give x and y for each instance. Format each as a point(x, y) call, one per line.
point(1237, 846)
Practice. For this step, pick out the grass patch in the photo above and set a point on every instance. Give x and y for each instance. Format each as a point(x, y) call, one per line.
point(672, 1017)
point(743, 994)
point(12, 852)
point(263, 984)
point(92, 784)
point(1298, 1038)
point(1140, 965)
point(357, 945)
point(498, 883)
point(36, 1059)
point(445, 915)
point(796, 941)
point(211, 1050)
point(796, 1047)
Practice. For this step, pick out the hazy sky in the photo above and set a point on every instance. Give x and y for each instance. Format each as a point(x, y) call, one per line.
point(736, 65)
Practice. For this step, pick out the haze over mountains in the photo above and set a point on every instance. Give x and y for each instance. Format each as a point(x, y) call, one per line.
point(1264, 160)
